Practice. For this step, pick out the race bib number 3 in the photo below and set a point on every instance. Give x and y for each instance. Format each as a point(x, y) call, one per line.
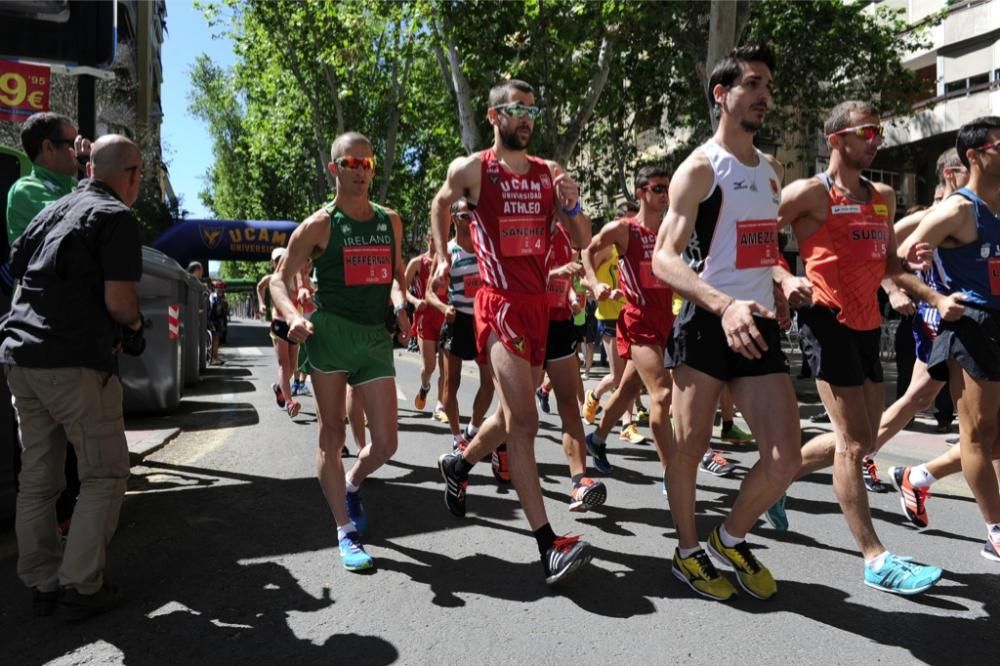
point(994, 268)
point(367, 265)
point(869, 240)
point(647, 280)
point(756, 243)
point(523, 236)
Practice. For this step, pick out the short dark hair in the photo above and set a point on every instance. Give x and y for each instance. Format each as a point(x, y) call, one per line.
point(973, 134)
point(728, 70)
point(840, 116)
point(39, 127)
point(500, 93)
point(948, 158)
point(647, 173)
point(457, 204)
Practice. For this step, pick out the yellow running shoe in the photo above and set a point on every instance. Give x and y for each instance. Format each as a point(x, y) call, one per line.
point(698, 573)
point(631, 434)
point(590, 408)
point(439, 415)
point(750, 573)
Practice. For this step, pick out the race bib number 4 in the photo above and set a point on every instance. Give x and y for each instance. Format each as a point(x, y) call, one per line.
point(994, 268)
point(756, 243)
point(523, 236)
point(647, 280)
point(367, 265)
point(869, 240)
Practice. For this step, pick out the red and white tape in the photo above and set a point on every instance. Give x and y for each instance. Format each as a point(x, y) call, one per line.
point(173, 322)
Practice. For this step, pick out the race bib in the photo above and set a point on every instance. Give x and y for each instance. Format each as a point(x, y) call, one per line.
point(994, 268)
point(868, 240)
point(523, 236)
point(647, 280)
point(557, 290)
point(367, 265)
point(756, 243)
point(471, 284)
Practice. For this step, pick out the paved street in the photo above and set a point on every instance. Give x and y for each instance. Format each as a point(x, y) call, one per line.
point(227, 553)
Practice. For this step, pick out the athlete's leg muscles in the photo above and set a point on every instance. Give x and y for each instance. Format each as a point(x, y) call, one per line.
point(850, 410)
point(484, 395)
point(564, 375)
point(330, 390)
point(978, 413)
point(621, 400)
point(648, 362)
point(770, 408)
point(381, 406)
point(356, 417)
point(695, 395)
point(919, 396)
point(516, 381)
point(453, 379)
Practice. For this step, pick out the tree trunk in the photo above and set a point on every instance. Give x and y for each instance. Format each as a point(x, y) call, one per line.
point(460, 86)
point(398, 94)
point(726, 21)
point(566, 144)
point(338, 107)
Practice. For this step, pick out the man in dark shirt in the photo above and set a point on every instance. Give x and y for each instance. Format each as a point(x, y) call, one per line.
point(77, 264)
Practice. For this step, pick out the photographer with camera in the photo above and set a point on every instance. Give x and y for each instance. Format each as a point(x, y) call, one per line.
point(75, 307)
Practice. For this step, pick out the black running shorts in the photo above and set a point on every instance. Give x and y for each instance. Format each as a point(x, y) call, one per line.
point(972, 341)
point(838, 355)
point(458, 337)
point(699, 342)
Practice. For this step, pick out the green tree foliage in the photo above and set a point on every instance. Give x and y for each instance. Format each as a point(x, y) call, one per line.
point(414, 77)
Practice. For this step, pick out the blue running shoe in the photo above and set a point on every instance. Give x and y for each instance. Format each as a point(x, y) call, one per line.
point(543, 400)
point(356, 512)
point(776, 515)
point(600, 454)
point(353, 555)
point(901, 576)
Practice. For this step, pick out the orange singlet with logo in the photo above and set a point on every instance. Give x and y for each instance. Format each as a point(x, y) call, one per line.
point(845, 257)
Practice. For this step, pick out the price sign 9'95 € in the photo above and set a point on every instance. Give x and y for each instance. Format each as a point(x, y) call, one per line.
point(24, 90)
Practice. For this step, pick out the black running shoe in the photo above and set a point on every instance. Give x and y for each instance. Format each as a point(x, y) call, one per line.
point(454, 487)
point(869, 472)
point(566, 555)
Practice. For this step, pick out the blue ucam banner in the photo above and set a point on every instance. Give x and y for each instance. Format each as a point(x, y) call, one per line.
point(245, 240)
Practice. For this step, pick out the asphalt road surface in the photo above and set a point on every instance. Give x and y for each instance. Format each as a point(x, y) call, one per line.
point(226, 553)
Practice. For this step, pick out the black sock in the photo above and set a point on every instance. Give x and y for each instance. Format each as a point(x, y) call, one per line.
point(545, 538)
point(727, 425)
point(576, 479)
point(462, 468)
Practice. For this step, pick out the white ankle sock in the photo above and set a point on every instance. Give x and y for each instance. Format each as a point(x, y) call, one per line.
point(728, 540)
point(688, 552)
point(344, 530)
point(875, 564)
point(919, 477)
point(470, 431)
point(350, 487)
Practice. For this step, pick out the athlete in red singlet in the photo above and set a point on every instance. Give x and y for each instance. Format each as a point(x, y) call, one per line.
point(647, 318)
point(517, 199)
point(428, 318)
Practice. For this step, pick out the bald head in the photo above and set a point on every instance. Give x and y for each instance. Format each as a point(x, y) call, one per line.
point(117, 162)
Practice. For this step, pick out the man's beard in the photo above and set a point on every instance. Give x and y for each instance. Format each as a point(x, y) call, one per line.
point(511, 139)
point(751, 126)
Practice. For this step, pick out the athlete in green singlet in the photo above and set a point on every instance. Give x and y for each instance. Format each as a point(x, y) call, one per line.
point(355, 247)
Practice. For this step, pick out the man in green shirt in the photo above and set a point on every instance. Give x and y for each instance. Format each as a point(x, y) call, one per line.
point(52, 144)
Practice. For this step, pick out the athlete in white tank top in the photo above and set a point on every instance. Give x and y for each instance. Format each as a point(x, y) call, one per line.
point(735, 241)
